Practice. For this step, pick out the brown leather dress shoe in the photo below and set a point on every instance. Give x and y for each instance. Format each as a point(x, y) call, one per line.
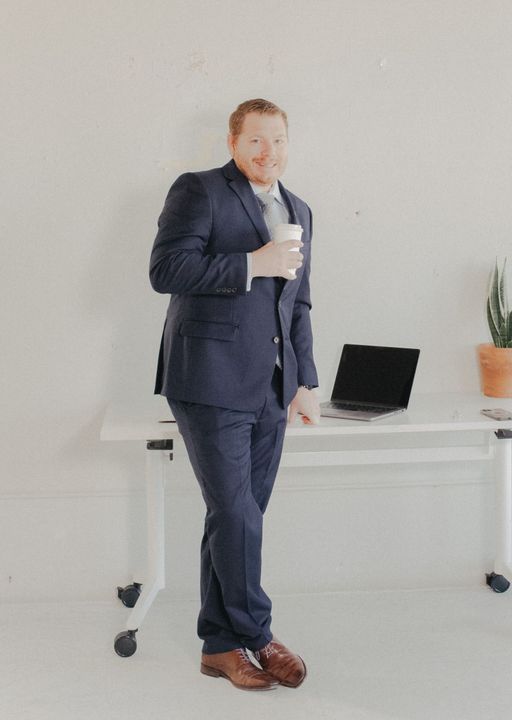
point(282, 664)
point(236, 666)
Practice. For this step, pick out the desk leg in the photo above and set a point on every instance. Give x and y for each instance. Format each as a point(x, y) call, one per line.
point(503, 514)
point(125, 643)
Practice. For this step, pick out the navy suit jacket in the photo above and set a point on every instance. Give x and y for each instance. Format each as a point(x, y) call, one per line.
point(220, 342)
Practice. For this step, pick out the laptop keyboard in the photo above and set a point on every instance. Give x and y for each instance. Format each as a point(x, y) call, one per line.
point(359, 408)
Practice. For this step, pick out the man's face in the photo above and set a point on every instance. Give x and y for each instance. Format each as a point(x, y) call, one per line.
point(260, 151)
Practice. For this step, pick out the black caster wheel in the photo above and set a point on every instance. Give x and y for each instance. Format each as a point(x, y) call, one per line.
point(129, 594)
point(498, 583)
point(125, 643)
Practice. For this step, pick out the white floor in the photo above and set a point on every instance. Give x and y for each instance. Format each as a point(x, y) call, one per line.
point(413, 655)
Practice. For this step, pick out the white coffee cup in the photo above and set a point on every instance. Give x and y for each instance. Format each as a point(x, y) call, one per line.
point(287, 231)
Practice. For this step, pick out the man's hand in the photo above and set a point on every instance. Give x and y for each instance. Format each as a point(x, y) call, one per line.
point(277, 259)
point(305, 402)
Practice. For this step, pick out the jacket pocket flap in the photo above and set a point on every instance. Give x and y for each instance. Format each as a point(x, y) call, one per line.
point(210, 330)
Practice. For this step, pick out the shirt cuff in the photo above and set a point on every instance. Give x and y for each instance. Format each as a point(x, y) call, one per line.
point(249, 272)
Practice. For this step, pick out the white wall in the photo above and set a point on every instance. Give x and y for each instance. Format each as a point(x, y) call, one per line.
point(400, 115)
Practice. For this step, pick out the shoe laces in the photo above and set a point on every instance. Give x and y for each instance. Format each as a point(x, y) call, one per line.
point(267, 651)
point(243, 654)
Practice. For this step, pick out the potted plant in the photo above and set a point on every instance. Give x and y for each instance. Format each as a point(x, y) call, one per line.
point(496, 357)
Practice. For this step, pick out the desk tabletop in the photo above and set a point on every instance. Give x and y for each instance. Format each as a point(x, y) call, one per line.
point(144, 418)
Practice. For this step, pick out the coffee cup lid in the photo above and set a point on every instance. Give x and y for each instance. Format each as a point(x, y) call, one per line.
point(290, 226)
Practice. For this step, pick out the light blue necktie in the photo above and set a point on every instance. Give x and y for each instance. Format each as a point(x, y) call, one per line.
point(273, 212)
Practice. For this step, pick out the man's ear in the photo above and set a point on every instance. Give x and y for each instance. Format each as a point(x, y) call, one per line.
point(231, 144)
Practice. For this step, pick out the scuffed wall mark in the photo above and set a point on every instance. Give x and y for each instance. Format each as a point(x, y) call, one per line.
point(270, 65)
point(10, 578)
point(131, 66)
point(197, 62)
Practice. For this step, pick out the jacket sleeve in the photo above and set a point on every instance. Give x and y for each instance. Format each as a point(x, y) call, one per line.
point(301, 335)
point(180, 260)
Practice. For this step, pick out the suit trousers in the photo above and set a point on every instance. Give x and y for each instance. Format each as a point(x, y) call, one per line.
point(235, 456)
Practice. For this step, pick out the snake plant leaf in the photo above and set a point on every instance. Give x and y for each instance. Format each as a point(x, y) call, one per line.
point(499, 317)
point(502, 287)
point(494, 314)
point(508, 330)
point(503, 334)
point(492, 327)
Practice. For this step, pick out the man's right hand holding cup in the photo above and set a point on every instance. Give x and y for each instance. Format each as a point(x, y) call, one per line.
point(279, 259)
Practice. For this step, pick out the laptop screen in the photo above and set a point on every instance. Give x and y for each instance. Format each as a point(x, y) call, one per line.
point(372, 374)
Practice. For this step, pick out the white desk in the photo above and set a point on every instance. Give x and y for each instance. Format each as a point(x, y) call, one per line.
point(140, 421)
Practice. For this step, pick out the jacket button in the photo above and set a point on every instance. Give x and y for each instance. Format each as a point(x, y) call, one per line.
point(275, 339)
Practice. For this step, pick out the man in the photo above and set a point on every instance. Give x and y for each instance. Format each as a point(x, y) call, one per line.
point(236, 352)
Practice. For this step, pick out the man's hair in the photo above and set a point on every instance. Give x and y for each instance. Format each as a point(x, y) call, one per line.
point(265, 107)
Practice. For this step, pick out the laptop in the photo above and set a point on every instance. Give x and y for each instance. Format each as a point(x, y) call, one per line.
point(372, 382)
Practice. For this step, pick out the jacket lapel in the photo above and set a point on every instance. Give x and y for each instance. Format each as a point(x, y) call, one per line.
point(287, 285)
point(289, 204)
point(240, 185)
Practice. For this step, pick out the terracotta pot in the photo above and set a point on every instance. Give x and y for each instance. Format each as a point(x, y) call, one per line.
point(495, 370)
